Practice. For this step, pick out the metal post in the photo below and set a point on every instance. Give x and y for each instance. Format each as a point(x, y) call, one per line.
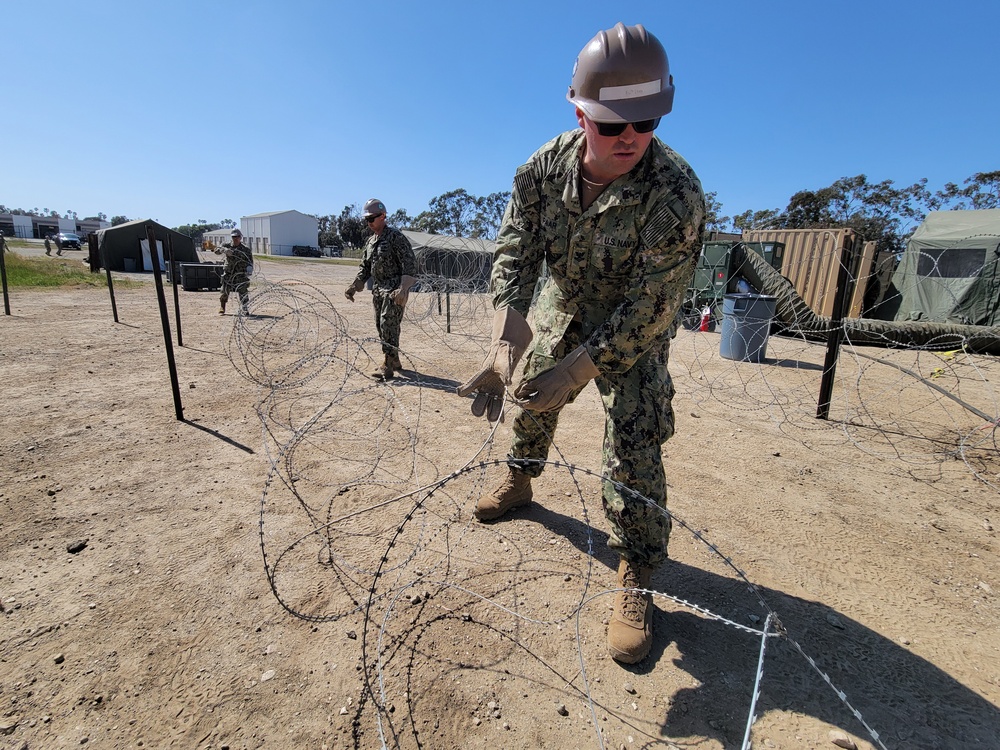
point(93, 258)
point(835, 336)
point(173, 279)
point(165, 321)
point(3, 275)
point(447, 301)
point(111, 288)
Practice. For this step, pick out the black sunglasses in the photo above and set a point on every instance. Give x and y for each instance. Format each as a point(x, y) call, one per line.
point(617, 128)
point(371, 219)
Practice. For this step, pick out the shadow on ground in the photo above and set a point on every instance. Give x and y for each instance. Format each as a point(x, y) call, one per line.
point(907, 700)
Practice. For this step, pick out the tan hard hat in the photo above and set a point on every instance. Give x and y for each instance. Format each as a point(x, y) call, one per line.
point(374, 207)
point(622, 75)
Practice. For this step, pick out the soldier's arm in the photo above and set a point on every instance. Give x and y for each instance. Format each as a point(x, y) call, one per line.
point(364, 268)
point(407, 260)
point(518, 258)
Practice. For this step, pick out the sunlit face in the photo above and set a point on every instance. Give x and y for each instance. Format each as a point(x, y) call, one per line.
point(376, 223)
point(609, 157)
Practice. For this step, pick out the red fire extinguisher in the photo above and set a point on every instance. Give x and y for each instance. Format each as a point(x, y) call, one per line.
point(706, 316)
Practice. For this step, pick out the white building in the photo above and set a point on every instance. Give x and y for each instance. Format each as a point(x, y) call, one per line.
point(277, 232)
point(29, 226)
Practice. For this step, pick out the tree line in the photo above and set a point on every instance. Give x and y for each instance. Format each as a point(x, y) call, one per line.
point(46, 213)
point(876, 211)
point(457, 213)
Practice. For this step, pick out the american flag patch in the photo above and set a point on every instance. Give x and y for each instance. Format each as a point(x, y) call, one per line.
point(525, 185)
point(661, 223)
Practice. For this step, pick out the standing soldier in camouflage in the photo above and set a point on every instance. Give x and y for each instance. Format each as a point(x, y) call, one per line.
point(236, 272)
point(616, 216)
point(389, 261)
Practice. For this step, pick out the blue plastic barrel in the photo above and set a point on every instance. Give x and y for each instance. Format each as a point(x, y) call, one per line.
point(746, 325)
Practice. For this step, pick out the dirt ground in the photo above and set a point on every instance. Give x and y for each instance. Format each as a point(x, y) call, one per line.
point(294, 564)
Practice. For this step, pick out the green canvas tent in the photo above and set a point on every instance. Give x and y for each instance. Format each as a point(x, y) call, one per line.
point(121, 250)
point(949, 272)
point(466, 262)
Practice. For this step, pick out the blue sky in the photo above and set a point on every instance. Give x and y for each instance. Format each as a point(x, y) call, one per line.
point(180, 111)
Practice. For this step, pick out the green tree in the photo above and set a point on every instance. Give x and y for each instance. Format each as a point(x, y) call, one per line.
point(461, 214)
point(877, 211)
point(750, 219)
point(326, 231)
point(116, 220)
point(195, 231)
point(714, 221)
point(353, 230)
point(451, 213)
point(427, 221)
point(399, 219)
point(982, 190)
point(489, 215)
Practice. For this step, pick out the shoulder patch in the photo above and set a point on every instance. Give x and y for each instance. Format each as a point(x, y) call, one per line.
point(659, 224)
point(526, 185)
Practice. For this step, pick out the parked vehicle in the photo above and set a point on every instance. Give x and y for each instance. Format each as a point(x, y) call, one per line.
point(305, 251)
point(68, 240)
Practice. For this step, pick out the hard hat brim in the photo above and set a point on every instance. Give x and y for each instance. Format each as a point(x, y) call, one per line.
point(626, 110)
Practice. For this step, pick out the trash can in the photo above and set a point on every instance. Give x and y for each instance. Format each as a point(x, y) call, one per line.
point(746, 325)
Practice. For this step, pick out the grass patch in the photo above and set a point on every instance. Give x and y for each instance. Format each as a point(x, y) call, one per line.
point(53, 273)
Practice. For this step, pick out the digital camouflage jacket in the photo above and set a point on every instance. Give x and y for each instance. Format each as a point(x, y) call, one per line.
point(386, 258)
point(238, 259)
point(620, 268)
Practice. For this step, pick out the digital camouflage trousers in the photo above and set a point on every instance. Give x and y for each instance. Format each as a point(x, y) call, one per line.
point(388, 319)
point(639, 418)
point(238, 283)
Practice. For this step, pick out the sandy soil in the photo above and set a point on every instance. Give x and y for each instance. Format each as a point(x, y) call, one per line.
point(294, 564)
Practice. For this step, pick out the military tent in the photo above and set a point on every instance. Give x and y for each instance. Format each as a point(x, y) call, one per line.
point(949, 272)
point(463, 261)
point(121, 250)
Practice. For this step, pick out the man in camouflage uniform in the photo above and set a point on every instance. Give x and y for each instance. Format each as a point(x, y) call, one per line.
point(388, 260)
point(616, 216)
point(236, 271)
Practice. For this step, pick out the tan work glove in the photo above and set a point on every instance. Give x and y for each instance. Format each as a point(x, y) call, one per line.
point(399, 296)
point(550, 389)
point(511, 336)
point(352, 290)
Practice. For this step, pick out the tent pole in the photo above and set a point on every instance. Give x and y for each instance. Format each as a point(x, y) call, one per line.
point(155, 257)
point(3, 275)
point(835, 337)
point(173, 279)
point(111, 288)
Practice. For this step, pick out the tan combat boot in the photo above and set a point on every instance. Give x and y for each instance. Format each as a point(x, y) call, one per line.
point(385, 372)
point(630, 633)
point(513, 492)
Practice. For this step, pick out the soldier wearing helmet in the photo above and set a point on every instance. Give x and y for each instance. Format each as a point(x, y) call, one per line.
point(389, 262)
point(236, 271)
point(616, 217)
